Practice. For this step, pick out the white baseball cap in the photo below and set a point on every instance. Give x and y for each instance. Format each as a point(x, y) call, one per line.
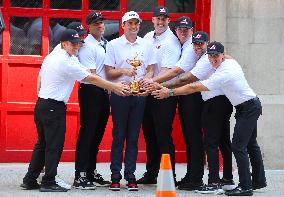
point(130, 15)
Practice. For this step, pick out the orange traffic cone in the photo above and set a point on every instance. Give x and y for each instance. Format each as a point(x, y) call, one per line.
point(165, 183)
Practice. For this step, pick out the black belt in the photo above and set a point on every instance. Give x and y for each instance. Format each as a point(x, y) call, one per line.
point(93, 86)
point(214, 98)
point(247, 103)
point(52, 101)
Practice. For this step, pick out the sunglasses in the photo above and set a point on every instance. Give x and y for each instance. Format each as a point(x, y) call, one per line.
point(76, 44)
point(214, 55)
point(198, 43)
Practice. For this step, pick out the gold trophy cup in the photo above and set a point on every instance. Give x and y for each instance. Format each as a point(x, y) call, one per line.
point(135, 62)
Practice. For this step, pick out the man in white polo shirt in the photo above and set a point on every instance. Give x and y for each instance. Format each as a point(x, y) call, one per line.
point(157, 127)
point(229, 77)
point(189, 107)
point(57, 76)
point(127, 112)
point(94, 107)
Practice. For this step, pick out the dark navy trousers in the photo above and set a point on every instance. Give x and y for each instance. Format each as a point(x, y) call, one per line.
point(245, 146)
point(127, 115)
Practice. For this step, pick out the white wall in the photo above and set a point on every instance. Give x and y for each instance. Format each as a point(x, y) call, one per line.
point(253, 33)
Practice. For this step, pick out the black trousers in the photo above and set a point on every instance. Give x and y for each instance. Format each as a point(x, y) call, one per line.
point(50, 120)
point(190, 110)
point(216, 124)
point(94, 113)
point(157, 130)
point(244, 144)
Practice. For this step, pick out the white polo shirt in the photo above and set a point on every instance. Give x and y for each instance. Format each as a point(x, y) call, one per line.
point(92, 56)
point(119, 50)
point(203, 70)
point(188, 57)
point(57, 48)
point(229, 77)
point(58, 73)
point(167, 49)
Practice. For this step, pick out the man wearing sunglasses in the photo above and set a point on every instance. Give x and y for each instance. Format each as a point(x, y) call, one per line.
point(189, 106)
point(216, 114)
point(229, 77)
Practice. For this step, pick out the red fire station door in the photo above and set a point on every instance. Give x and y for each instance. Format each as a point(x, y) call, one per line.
point(31, 33)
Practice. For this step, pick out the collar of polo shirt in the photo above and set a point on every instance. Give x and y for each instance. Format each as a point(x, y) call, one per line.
point(137, 41)
point(163, 35)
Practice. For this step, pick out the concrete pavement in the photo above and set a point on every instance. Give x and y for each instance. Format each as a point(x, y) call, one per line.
point(11, 175)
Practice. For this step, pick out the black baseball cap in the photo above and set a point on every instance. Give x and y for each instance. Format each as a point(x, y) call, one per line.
point(199, 36)
point(215, 48)
point(70, 35)
point(183, 22)
point(161, 10)
point(78, 27)
point(94, 17)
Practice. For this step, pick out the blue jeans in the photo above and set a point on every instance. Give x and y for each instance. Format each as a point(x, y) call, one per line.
point(127, 114)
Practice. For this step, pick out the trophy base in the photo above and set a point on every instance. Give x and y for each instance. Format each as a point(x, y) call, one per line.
point(134, 87)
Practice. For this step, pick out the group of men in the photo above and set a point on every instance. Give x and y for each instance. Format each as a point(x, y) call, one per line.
point(172, 71)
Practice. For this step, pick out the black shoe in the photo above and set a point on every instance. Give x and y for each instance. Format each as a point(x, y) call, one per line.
point(191, 186)
point(114, 186)
point(256, 186)
point(185, 179)
point(147, 179)
point(81, 182)
point(238, 191)
point(29, 186)
point(97, 179)
point(227, 184)
point(52, 188)
point(213, 188)
point(132, 185)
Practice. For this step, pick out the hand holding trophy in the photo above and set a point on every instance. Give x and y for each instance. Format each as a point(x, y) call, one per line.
point(135, 62)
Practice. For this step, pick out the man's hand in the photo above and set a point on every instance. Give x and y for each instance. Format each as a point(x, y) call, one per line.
point(145, 81)
point(130, 72)
point(121, 89)
point(143, 93)
point(161, 93)
point(152, 87)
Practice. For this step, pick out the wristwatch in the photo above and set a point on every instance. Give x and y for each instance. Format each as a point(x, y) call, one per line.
point(171, 92)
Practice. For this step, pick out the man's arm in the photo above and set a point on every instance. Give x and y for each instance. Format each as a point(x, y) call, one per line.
point(190, 88)
point(150, 71)
point(186, 79)
point(118, 88)
point(168, 74)
point(38, 84)
point(184, 90)
point(114, 73)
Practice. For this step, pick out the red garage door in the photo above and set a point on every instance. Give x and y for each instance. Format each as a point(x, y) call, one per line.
point(32, 31)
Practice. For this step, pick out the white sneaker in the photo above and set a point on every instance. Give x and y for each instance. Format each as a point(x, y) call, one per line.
point(62, 183)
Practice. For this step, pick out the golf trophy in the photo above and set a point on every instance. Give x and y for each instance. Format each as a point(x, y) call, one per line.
point(135, 62)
